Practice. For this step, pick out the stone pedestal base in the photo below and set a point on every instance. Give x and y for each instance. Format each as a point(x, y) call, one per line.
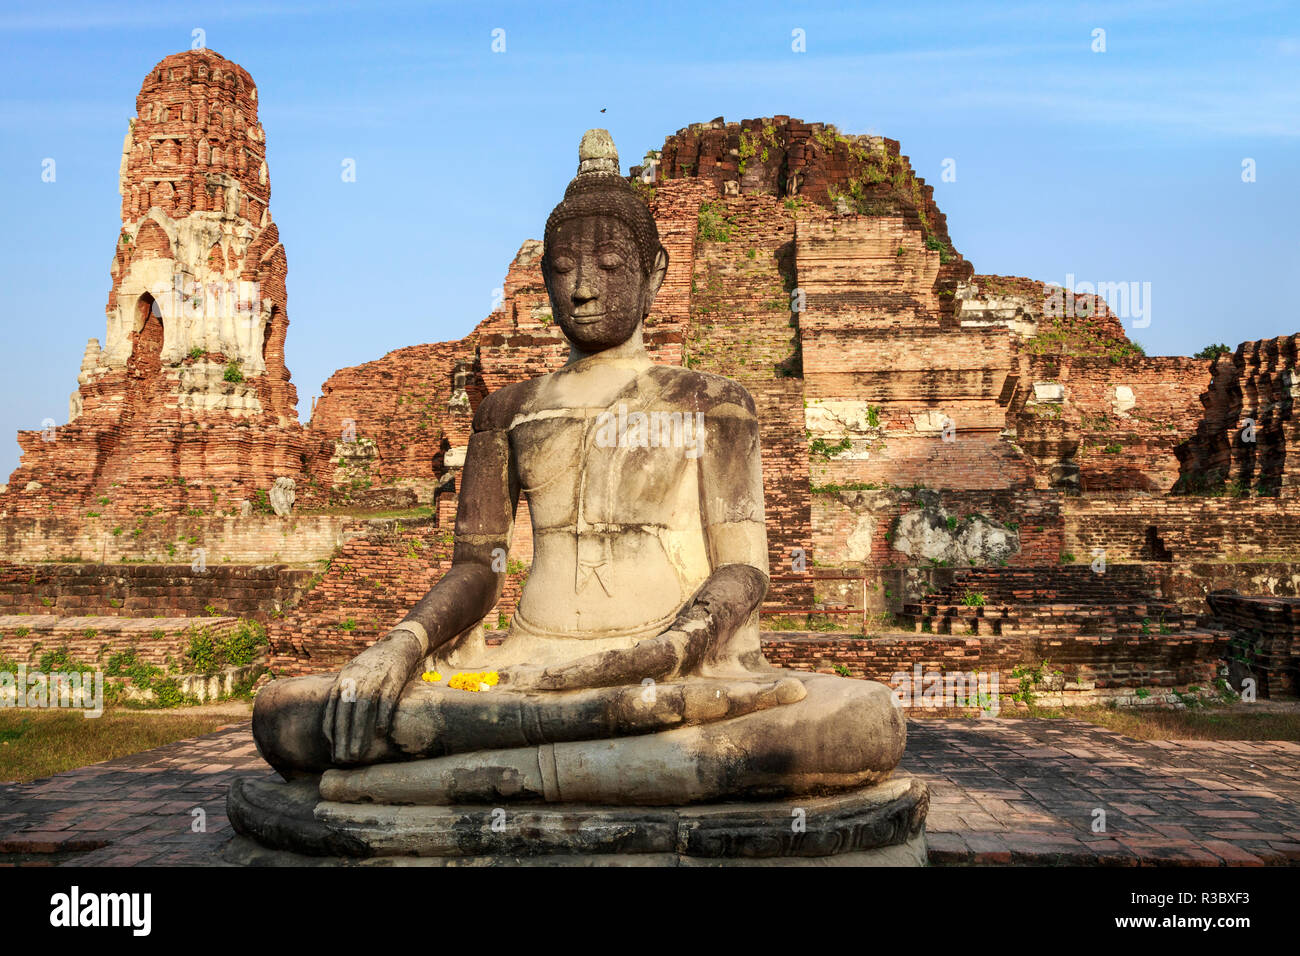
point(289, 824)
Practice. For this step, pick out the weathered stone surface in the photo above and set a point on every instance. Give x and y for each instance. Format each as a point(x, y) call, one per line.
point(879, 825)
point(282, 496)
point(932, 534)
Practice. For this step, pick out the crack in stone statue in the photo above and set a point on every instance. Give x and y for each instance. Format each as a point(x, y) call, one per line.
point(632, 674)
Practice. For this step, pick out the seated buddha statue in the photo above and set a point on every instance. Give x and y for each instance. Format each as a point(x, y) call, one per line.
point(632, 671)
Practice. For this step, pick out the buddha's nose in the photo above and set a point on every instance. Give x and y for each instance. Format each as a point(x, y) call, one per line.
point(584, 291)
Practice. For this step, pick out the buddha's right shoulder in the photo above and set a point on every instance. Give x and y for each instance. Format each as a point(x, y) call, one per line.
point(498, 409)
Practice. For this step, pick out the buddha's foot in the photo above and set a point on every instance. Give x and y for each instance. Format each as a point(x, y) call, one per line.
point(842, 734)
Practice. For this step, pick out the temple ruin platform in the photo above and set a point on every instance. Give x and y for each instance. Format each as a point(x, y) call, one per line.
point(1002, 791)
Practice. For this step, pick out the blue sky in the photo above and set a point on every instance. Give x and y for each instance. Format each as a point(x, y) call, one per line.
point(1116, 166)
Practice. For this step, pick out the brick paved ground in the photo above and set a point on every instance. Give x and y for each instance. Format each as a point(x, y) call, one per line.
point(1002, 791)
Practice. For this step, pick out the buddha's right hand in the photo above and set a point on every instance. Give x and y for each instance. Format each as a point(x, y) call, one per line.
point(361, 703)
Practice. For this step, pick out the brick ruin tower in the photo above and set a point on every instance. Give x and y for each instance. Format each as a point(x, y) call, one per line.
point(188, 403)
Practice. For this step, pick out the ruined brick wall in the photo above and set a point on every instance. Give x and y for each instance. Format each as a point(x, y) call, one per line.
point(1117, 420)
point(368, 587)
point(1266, 637)
point(1249, 424)
point(781, 156)
point(1094, 667)
point(188, 403)
point(742, 327)
point(161, 641)
point(392, 421)
point(1139, 527)
point(854, 528)
point(168, 538)
point(176, 590)
point(1188, 583)
point(898, 393)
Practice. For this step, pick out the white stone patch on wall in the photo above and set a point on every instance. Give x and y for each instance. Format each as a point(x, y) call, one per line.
point(930, 422)
point(1122, 400)
point(202, 387)
point(860, 538)
point(832, 421)
point(1049, 392)
point(927, 534)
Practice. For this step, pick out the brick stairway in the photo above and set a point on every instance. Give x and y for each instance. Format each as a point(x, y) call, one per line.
point(1055, 602)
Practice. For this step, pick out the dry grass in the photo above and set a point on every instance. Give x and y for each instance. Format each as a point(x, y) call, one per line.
point(1259, 721)
point(37, 743)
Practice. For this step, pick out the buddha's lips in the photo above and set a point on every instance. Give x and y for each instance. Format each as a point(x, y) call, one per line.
point(588, 319)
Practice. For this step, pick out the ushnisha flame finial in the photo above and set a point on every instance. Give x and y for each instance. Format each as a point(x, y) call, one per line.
point(597, 153)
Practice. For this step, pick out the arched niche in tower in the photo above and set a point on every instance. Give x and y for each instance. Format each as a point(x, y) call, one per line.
point(145, 363)
point(150, 240)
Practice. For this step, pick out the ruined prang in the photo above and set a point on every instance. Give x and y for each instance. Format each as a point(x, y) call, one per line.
point(187, 404)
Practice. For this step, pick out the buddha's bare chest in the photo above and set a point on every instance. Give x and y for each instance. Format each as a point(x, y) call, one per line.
point(618, 465)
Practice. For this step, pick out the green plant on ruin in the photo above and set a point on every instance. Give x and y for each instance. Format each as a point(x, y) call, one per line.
point(822, 622)
point(144, 676)
point(348, 625)
point(237, 648)
point(832, 489)
point(233, 372)
point(782, 623)
point(713, 224)
point(1029, 678)
point(1067, 557)
point(843, 670)
point(1211, 352)
point(973, 599)
point(196, 352)
point(821, 448)
point(748, 147)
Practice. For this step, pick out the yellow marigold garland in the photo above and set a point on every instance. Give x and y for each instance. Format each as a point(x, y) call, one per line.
point(474, 680)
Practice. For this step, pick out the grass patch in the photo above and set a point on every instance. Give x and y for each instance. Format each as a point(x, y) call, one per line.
point(37, 743)
point(1229, 722)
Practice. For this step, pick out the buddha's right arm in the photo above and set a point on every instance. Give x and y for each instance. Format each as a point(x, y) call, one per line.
point(484, 520)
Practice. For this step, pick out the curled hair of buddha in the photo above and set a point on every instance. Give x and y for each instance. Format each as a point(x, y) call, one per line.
point(599, 190)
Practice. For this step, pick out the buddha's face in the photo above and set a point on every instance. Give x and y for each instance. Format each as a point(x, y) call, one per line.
point(599, 292)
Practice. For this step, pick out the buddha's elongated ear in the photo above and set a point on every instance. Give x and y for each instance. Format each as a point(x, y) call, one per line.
point(656, 278)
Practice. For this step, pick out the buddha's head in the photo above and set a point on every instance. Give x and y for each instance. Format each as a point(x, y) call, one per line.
point(603, 262)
